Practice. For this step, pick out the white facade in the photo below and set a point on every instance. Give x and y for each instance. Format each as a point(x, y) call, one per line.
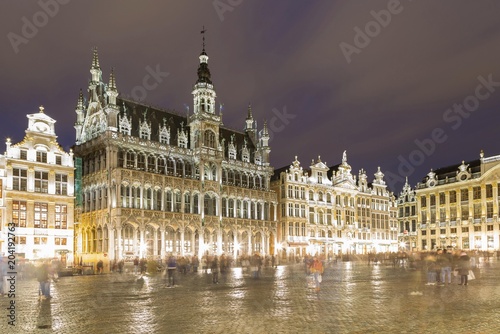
point(37, 193)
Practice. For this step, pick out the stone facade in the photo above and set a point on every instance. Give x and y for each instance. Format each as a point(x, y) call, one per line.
point(327, 210)
point(154, 182)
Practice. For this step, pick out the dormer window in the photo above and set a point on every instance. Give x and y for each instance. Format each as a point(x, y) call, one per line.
point(58, 160)
point(164, 135)
point(145, 131)
point(125, 126)
point(320, 177)
point(23, 155)
point(41, 156)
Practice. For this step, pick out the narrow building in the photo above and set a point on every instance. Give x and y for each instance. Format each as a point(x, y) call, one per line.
point(37, 194)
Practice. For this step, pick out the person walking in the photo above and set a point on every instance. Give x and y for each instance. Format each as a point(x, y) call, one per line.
point(171, 267)
point(464, 266)
point(317, 270)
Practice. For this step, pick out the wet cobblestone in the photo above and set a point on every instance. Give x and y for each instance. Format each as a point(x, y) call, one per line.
point(354, 298)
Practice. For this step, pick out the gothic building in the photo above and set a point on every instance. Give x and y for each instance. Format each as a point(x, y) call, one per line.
point(154, 182)
point(458, 206)
point(326, 210)
point(37, 194)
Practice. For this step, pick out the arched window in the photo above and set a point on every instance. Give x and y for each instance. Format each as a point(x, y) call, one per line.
point(209, 139)
point(161, 165)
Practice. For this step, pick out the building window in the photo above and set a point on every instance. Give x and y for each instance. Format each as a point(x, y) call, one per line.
point(453, 213)
point(19, 213)
point(320, 177)
point(465, 229)
point(477, 228)
point(60, 241)
point(433, 200)
point(489, 191)
point(41, 156)
point(465, 212)
point(442, 199)
point(58, 160)
point(41, 182)
point(424, 232)
point(476, 193)
point(61, 184)
point(464, 195)
point(477, 211)
point(423, 202)
point(41, 210)
point(453, 230)
point(61, 219)
point(19, 179)
point(23, 155)
point(40, 240)
point(209, 139)
point(489, 227)
point(489, 210)
point(453, 196)
point(433, 232)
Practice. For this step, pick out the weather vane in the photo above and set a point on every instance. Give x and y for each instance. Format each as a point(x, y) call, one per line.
point(203, 32)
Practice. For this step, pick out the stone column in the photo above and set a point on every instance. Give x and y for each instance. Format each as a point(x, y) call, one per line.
point(250, 246)
point(182, 241)
point(155, 242)
point(162, 236)
point(141, 244)
point(201, 243)
point(119, 246)
point(111, 244)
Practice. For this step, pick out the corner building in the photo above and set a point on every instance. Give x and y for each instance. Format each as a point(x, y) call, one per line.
point(326, 210)
point(37, 193)
point(458, 206)
point(154, 182)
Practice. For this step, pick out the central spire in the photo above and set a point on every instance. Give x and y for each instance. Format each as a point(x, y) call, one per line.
point(203, 71)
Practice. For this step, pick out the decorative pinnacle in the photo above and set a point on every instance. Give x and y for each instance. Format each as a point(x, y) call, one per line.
point(41, 109)
point(112, 82)
point(249, 111)
point(95, 59)
point(79, 104)
point(265, 132)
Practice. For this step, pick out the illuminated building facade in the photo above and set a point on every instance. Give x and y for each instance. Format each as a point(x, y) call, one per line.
point(37, 193)
point(458, 206)
point(327, 210)
point(154, 182)
point(407, 218)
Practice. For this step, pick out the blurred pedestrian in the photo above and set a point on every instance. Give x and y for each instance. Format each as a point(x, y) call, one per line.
point(171, 267)
point(100, 266)
point(317, 270)
point(136, 265)
point(215, 270)
point(43, 277)
point(464, 266)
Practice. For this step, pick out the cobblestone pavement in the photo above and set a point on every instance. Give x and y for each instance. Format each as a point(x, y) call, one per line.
point(354, 298)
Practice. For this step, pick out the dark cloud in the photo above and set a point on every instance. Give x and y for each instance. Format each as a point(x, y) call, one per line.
point(277, 55)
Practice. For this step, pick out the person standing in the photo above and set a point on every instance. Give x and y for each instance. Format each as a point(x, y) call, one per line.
point(171, 267)
point(100, 266)
point(445, 260)
point(136, 265)
point(464, 266)
point(215, 270)
point(44, 279)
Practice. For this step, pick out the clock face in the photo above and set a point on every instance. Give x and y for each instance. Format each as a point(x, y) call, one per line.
point(41, 127)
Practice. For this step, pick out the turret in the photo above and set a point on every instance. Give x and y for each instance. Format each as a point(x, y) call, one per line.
point(111, 108)
point(80, 115)
point(264, 144)
point(250, 124)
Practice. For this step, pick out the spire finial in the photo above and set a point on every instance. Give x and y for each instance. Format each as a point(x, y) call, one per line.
point(79, 104)
point(203, 32)
point(41, 109)
point(112, 82)
point(249, 111)
point(95, 58)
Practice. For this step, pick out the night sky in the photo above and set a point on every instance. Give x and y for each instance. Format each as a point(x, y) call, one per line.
point(326, 74)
